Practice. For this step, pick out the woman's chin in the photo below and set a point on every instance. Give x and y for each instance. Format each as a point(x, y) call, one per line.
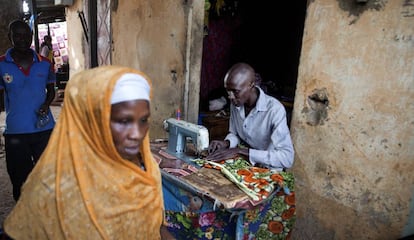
point(131, 154)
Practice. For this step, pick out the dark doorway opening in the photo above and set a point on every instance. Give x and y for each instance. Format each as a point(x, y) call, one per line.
point(265, 34)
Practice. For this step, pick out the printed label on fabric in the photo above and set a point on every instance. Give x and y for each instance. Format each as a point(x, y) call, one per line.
point(7, 78)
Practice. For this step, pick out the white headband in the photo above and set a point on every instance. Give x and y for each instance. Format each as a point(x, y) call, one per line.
point(129, 87)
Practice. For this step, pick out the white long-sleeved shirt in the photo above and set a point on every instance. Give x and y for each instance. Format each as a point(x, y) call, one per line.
point(265, 130)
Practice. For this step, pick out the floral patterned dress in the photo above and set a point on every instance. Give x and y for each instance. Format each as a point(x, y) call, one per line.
point(191, 216)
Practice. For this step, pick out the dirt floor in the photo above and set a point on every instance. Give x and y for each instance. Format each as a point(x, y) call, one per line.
point(6, 198)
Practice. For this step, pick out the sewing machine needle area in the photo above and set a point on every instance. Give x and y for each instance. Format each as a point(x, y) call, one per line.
point(186, 141)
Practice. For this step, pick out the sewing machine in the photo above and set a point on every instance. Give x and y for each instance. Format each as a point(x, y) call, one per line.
point(179, 132)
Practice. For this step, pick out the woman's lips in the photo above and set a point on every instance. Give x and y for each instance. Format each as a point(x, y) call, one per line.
point(132, 150)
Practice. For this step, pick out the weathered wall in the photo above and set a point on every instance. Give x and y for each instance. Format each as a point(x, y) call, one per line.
point(160, 38)
point(142, 39)
point(352, 125)
point(157, 37)
point(76, 38)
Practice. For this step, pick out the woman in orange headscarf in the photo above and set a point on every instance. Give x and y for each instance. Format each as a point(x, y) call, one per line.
point(97, 178)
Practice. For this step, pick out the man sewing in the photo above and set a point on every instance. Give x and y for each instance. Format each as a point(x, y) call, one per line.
point(257, 121)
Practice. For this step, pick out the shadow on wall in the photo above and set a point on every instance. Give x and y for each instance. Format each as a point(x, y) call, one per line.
point(411, 237)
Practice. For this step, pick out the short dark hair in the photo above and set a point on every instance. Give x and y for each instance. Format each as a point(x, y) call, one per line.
point(15, 23)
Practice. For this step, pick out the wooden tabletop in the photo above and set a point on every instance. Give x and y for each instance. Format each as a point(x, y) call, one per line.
point(205, 181)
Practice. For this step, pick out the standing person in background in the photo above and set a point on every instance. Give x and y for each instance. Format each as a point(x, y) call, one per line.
point(97, 178)
point(257, 121)
point(28, 85)
point(46, 49)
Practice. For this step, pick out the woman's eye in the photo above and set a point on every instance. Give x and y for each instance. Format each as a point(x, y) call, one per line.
point(124, 121)
point(127, 121)
point(144, 120)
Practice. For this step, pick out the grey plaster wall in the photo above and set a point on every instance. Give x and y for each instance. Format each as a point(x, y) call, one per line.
point(353, 121)
point(161, 38)
point(144, 40)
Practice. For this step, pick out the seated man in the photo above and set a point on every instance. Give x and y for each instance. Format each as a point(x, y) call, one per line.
point(257, 121)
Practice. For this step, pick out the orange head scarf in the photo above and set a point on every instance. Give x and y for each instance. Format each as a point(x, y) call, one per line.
point(81, 188)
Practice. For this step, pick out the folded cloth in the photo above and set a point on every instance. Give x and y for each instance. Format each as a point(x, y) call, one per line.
point(217, 104)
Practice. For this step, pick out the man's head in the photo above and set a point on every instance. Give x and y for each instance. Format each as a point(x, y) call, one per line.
point(20, 35)
point(47, 39)
point(239, 83)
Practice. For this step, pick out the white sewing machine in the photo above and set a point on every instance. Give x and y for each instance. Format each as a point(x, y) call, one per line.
point(179, 132)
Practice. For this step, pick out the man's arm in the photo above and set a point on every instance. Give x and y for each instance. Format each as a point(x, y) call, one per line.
point(44, 51)
point(2, 100)
point(50, 96)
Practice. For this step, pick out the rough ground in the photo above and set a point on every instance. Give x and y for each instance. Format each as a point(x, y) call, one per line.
point(6, 198)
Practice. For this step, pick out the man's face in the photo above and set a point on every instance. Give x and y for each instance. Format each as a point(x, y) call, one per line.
point(238, 88)
point(21, 37)
point(129, 125)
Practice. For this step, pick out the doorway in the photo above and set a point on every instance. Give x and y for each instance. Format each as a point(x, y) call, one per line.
point(265, 34)
point(51, 21)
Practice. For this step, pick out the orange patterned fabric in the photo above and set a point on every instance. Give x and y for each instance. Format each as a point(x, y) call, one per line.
point(81, 188)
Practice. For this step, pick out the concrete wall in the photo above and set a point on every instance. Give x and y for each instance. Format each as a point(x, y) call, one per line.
point(143, 40)
point(158, 37)
point(352, 125)
point(77, 44)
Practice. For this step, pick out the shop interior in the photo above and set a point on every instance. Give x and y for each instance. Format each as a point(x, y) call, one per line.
point(51, 21)
point(264, 34)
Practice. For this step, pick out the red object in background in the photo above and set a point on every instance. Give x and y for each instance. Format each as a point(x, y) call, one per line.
point(178, 114)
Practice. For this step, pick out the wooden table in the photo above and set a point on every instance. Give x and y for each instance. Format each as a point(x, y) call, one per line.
point(207, 182)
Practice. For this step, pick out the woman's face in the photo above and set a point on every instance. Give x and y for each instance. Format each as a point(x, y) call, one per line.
point(129, 124)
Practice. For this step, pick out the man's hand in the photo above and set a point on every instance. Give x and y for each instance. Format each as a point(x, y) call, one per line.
point(217, 145)
point(43, 110)
point(223, 154)
point(165, 234)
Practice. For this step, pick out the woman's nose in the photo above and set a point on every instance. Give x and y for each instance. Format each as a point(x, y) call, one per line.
point(137, 132)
